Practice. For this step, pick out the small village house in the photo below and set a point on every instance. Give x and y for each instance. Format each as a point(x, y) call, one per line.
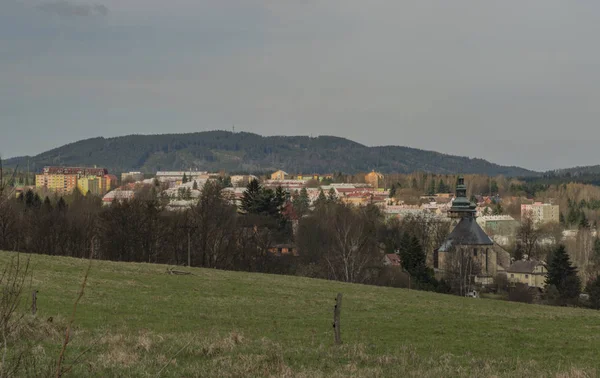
point(280, 175)
point(531, 273)
point(374, 179)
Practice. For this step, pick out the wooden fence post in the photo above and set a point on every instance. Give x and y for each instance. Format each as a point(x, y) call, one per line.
point(34, 302)
point(336, 319)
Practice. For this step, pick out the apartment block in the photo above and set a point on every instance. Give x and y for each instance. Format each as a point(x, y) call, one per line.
point(541, 212)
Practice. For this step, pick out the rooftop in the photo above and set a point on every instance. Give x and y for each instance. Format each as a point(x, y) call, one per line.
point(524, 266)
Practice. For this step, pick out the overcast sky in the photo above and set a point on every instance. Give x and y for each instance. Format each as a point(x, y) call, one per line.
point(514, 82)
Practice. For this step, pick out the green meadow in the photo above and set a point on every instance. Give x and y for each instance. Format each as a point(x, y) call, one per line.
point(136, 320)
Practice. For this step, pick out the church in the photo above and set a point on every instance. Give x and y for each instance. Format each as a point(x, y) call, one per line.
point(468, 246)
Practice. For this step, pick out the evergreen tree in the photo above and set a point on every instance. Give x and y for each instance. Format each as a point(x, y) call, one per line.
point(493, 187)
point(281, 197)
point(29, 195)
point(583, 221)
point(332, 195)
point(413, 259)
point(184, 179)
point(321, 199)
point(442, 188)
point(392, 191)
point(563, 275)
point(61, 204)
point(498, 210)
point(431, 190)
point(195, 186)
point(414, 183)
point(47, 205)
point(251, 199)
point(301, 202)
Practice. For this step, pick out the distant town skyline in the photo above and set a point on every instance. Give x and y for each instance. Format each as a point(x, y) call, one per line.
point(513, 83)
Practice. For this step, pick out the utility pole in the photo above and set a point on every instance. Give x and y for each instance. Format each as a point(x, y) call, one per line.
point(189, 249)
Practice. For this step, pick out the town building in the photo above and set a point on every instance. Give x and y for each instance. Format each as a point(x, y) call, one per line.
point(498, 224)
point(392, 259)
point(117, 196)
point(374, 179)
point(531, 273)
point(132, 176)
point(468, 241)
point(541, 213)
point(242, 180)
point(280, 176)
point(288, 184)
point(64, 180)
point(174, 178)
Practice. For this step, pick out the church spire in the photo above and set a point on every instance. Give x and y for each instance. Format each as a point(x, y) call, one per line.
point(461, 206)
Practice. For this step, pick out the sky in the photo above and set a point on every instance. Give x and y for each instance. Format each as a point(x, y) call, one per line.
point(513, 82)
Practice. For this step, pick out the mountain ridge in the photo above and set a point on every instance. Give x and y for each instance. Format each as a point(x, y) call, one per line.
point(249, 152)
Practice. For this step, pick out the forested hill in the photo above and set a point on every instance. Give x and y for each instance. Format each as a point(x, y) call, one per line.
point(246, 152)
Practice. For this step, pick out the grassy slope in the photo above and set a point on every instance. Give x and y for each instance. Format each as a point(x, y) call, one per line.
point(241, 324)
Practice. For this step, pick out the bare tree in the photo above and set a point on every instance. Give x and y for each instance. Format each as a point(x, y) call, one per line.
point(528, 236)
point(461, 268)
point(214, 224)
point(353, 244)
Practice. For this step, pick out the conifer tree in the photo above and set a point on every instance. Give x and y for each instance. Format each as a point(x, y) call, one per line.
point(61, 204)
point(332, 195)
point(431, 190)
point(563, 275)
point(442, 188)
point(195, 187)
point(251, 199)
point(47, 206)
point(184, 179)
point(321, 199)
point(493, 187)
point(392, 191)
point(301, 202)
point(413, 258)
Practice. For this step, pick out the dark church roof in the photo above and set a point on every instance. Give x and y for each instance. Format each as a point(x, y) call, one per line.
point(466, 232)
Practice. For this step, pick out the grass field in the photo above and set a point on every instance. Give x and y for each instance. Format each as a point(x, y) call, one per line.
point(140, 320)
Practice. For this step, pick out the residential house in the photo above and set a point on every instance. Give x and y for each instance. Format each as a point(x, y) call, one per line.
point(392, 259)
point(242, 180)
point(283, 250)
point(532, 273)
point(280, 175)
point(374, 179)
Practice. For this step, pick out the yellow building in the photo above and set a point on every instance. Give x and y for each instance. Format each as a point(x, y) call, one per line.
point(279, 175)
point(90, 184)
point(59, 183)
point(374, 179)
point(531, 273)
point(63, 180)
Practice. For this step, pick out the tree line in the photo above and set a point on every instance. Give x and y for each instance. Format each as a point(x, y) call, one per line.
point(334, 240)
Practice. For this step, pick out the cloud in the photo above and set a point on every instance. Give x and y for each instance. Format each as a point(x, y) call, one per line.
point(68, 9)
